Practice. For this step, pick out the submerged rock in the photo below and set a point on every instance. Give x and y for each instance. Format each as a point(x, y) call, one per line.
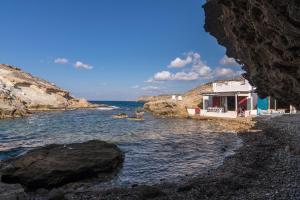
point(55, 165)
point(21, 92)
point(264, 36)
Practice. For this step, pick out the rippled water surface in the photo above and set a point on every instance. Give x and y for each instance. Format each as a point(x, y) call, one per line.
point(155, 149)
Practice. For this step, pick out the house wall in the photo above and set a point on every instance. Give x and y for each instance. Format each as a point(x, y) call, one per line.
point(229, 114)
point(232, 86)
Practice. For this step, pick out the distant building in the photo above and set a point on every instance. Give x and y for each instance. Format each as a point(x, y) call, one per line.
point(173, 97)
point(176, 98)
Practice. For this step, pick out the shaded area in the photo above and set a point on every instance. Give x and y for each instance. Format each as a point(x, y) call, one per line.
point(264, 36)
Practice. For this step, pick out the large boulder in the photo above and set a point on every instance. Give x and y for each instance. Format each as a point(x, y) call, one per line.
point(264, 36)
point(55, 165)
point(166, 108)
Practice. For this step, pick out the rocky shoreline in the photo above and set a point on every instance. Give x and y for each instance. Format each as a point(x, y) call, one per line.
point(267, 166)
point(22, 93)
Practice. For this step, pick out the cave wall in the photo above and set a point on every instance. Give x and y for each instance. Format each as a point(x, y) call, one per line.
point(264, 37)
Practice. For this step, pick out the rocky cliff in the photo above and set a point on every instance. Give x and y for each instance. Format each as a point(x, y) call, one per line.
point(264, 36)
point(21, 93)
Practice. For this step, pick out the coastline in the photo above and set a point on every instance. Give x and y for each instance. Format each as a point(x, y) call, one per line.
point(266, 166)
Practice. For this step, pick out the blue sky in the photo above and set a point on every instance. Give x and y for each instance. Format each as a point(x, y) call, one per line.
point(112, 49)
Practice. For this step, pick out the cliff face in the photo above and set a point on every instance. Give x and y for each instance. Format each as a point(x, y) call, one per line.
point(20, 92)
point(264, 36)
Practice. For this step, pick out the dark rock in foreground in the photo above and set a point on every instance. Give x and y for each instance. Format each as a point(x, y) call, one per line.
point(56, 165)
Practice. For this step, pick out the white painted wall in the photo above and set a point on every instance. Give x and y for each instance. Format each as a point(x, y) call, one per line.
point(229, 114)
point(232, 86)
point(191, 111)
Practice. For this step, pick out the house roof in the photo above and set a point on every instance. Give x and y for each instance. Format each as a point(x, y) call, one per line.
point(225, 93)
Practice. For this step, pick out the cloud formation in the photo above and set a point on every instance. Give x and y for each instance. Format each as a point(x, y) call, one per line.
point(197, 70)
point(226, 72)
point(178, 62)
point(226, 61)
point(82, 65)
point(162, 76)
point(151, 88)
point(61, 61)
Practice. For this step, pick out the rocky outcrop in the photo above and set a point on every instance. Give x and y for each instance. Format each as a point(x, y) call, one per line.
point(56, 165)
point(166, 108)
point(146, 99)
point(264, 36)
point(21, 92)
point(10, 106)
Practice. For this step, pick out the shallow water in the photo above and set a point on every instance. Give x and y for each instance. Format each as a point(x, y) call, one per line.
point(155, 149)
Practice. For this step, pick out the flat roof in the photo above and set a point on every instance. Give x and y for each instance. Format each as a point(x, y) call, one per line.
point(226, 93)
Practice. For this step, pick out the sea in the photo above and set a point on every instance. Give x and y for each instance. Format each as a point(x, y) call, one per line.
point(156, 149)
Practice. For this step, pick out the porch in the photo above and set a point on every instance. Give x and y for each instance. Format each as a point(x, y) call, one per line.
point(229, 104)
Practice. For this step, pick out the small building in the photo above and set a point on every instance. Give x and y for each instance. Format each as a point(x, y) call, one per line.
point(237, 98)
point(177, 98)
point(173, 97)
point(230, 99)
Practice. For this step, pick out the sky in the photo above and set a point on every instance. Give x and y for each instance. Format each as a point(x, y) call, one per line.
point(113, 49)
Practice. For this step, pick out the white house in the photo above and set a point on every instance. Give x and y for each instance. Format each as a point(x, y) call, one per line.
point(230, 99)
point(236, 98)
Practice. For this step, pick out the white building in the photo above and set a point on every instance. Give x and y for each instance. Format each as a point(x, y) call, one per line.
point(230, 99)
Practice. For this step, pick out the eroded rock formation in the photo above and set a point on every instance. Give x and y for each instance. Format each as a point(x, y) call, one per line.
point(21, 92)
point(264, 36)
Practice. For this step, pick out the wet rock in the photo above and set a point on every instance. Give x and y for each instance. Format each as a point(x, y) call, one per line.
point(56, 165)
point(264, 36)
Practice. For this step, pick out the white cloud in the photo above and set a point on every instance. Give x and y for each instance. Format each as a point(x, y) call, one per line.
point(178, 62)
point(150, 88)
point(202, 71)
point(185, 76)
point(61, 61)
point(226, 61)
point(226, 72)
point(197, 70)
point(82, 65)
point(163, 76)
point(135, 87)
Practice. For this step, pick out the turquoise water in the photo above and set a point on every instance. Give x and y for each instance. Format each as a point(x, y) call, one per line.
point(156, 149)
